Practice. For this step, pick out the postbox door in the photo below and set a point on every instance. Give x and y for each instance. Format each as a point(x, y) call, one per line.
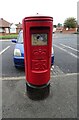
point(40, 55)
point(39, 52)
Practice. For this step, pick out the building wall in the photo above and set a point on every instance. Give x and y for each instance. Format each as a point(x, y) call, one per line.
point(72, 30)
point(6, 30)
point(1, 30)
point(78, 12)
point(18, 30)
point(13, 28)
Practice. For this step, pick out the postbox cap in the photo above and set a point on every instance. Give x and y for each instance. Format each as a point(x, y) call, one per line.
point(38, 17)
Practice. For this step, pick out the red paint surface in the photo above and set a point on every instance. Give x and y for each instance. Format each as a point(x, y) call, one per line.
point(37, 58)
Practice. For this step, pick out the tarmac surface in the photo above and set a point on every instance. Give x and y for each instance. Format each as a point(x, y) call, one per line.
point(61, 102)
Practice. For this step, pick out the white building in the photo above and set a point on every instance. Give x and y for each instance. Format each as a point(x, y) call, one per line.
point(78, 12)
point(13, 28)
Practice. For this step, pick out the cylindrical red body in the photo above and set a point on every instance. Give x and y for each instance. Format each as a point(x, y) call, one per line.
point(37, 33)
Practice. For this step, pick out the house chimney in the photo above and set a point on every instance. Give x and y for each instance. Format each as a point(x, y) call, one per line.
point(1, 18)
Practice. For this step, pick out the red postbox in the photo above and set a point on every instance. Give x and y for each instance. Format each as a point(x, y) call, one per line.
point(37, 33)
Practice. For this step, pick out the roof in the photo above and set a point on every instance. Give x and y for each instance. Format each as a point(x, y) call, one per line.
point(78, 26)
point(4, 23)
point(19, 25)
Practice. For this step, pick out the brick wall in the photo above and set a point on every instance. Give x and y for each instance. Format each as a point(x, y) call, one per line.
point(73, 30)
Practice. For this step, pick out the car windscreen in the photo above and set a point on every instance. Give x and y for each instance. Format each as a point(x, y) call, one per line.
point(20, 38)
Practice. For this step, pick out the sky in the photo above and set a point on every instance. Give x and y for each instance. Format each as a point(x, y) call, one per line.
point(14, 11)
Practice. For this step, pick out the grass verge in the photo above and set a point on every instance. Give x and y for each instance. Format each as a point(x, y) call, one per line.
point(12, 36)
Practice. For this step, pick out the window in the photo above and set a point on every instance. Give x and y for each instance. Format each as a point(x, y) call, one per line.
point(1, 30)
point(20, 37)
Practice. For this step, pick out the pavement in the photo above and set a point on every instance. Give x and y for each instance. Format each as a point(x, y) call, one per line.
point(61, 102)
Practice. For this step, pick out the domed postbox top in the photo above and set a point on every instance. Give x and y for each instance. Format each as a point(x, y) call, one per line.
point(39, 18)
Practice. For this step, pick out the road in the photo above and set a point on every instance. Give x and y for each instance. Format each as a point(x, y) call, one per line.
point(63, 76)
point(65, 50)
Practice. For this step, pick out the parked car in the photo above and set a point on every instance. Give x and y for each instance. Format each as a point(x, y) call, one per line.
point(18, 56)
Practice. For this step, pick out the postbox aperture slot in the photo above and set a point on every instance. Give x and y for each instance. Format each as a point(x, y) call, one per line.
point(39, 39)
point(39, 36)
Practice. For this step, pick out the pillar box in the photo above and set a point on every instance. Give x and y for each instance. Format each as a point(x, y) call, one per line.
point(37, 34)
